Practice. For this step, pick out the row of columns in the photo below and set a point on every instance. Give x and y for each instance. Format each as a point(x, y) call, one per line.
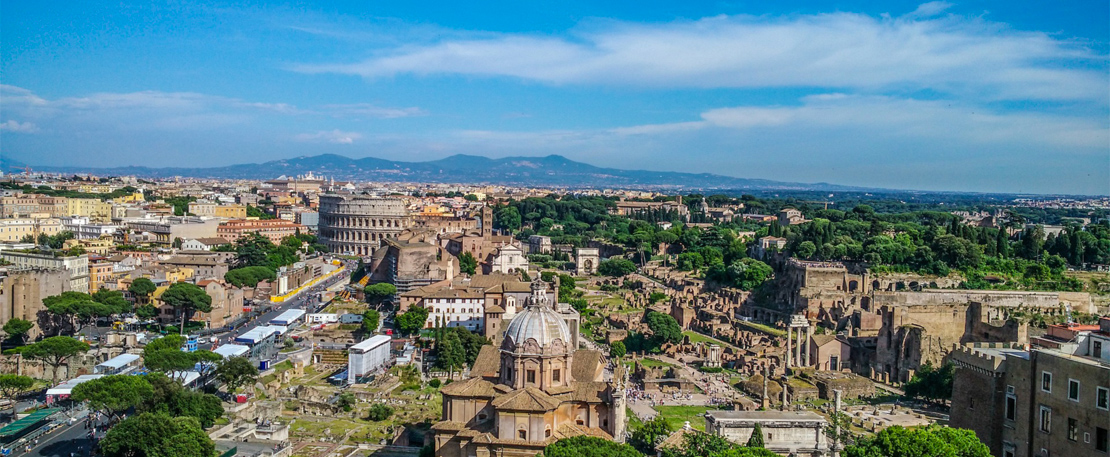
point(346, 221)
point(797, 354)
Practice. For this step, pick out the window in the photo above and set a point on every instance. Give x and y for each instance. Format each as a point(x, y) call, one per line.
point(532, 376)
point(970, 402)
point(547, 433)
point(1101, 439)
point(1073, 429)
point(522, 434)
point(1011, 407)
point(1102, 398)
point(1046, 381)
point(1073, 390)
point(1096, 349)
point(555, 376)
point(1046, 419)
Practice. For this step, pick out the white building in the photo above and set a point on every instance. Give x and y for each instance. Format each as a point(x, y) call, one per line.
point(367, 356)
point(450, 307)
point(289, 317)
point(120, 364)
point(507, 259)
point(797, 433)
point(76, 266)
point(323, 318)
point(83, 229)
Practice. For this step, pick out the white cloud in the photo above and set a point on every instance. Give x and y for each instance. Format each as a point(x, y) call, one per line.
point(333, 136)
point(929, 9)
point(922, 50)
point(19, 127)
point(371, 111)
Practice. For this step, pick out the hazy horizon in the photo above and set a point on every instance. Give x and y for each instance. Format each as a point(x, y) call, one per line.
point(1010, 97)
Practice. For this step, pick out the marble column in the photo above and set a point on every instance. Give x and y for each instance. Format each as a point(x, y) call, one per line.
point(809, 335)
point(789, 350)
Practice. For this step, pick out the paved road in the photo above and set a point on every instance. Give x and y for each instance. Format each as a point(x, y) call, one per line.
point(305, 300)
point(61, 442)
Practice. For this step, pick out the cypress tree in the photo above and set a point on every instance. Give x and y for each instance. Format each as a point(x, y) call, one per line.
point(757, 437)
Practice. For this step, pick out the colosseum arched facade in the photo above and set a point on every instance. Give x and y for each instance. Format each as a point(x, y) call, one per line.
point(357, 224)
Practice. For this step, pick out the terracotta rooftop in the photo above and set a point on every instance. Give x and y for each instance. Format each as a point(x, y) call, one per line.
point(526, 399)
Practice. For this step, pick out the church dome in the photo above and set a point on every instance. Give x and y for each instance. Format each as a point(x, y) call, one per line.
point(538, 322)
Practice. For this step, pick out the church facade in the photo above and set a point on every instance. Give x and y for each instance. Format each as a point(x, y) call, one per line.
point(533, 390)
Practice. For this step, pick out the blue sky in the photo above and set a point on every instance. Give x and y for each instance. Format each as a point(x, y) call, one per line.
point(1009, 96)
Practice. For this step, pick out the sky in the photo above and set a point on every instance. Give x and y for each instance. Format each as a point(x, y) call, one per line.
point(988, 96)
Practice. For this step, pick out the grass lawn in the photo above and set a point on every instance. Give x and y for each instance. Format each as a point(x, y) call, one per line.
point(650, 363)
point(761, 328)
point(677, 416)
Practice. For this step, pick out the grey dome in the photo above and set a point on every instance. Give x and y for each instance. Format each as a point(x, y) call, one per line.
point(538, 322)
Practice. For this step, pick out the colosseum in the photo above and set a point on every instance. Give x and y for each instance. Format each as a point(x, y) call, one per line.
point(357, 224)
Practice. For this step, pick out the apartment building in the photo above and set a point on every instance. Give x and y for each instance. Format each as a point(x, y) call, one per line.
point(273, 229)
point(92, 208)
point(163, 230)
point(13, 230)
point(28, 204)
point(76, 267)
point(1040, 402)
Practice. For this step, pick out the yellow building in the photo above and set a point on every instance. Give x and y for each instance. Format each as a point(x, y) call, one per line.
point(100, 275)
point(96, 188)
point(231, 211)
point(15, 229)
point(93, 208)
point(178, 274)
point(135, 197)
point(100, 246)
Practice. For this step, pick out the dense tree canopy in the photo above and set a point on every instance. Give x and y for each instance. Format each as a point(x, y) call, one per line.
point(250, 276)
point(142, 288)
point(930, 383)
point(589, 446)
point(699, 444)
point(467, 263)
point(412, 320)
point(664, 329)
point(157, 435)
point(932, 441)
point(616, 267)
point(114, 395)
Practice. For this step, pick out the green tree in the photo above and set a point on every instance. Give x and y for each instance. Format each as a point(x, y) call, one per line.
point(650, 434)
point(930, 383)
point(589, 446)
point(236, 372)
point(705, 445)
point(467, 263)
point(370, 320)
point(17, 329)
point(113, 299)
point(451, 355)
point(932, 441)
point(346, 400)
point(250, 276)
point(617, 350)
point(664, 329)
point(13, 385)
point(251, 250)
point(376, 293)
point(413, 320)
point(55, 351)
point(805, 249)
point(205, 408)
point(114, 395)
point(157, 435)
point(77, 308)
point(379, 412)
point(186, 299)
point(756, 439)
point(142, 288)
point(616, 267)
point(507, 218)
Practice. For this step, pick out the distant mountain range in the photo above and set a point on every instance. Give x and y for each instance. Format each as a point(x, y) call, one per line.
point(552, 170)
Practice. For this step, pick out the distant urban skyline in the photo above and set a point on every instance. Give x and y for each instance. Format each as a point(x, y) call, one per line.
point(991, 96)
